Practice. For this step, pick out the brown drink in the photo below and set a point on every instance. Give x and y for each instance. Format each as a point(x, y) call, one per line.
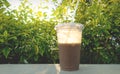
point(69, 39)
point(69, 55)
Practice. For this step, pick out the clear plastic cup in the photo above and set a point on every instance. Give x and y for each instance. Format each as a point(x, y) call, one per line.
point(69, 41)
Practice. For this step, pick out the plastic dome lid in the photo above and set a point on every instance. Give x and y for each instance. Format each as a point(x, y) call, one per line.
point(69, 26)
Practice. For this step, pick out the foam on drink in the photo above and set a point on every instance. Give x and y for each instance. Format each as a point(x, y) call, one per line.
point(69, 33)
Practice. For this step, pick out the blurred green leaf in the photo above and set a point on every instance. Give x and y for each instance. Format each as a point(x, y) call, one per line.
point(6, 52)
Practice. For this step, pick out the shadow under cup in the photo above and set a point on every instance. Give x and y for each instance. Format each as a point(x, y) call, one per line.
point(69, 40)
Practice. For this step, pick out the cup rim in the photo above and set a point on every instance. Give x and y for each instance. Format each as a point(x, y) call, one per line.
point(69, 26)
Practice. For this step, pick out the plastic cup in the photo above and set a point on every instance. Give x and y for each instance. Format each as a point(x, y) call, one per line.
point(69, 41)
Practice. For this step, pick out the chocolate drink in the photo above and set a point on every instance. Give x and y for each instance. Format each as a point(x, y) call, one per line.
point(69, 55)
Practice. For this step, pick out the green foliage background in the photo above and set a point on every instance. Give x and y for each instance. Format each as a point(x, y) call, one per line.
point(27, 39)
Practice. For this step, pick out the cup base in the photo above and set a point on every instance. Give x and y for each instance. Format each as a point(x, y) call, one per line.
point(70, 69)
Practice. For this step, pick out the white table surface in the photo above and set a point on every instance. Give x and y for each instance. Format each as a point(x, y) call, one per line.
point(55, 69)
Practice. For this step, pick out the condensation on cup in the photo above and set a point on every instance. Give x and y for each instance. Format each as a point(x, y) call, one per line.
point(69, 41)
